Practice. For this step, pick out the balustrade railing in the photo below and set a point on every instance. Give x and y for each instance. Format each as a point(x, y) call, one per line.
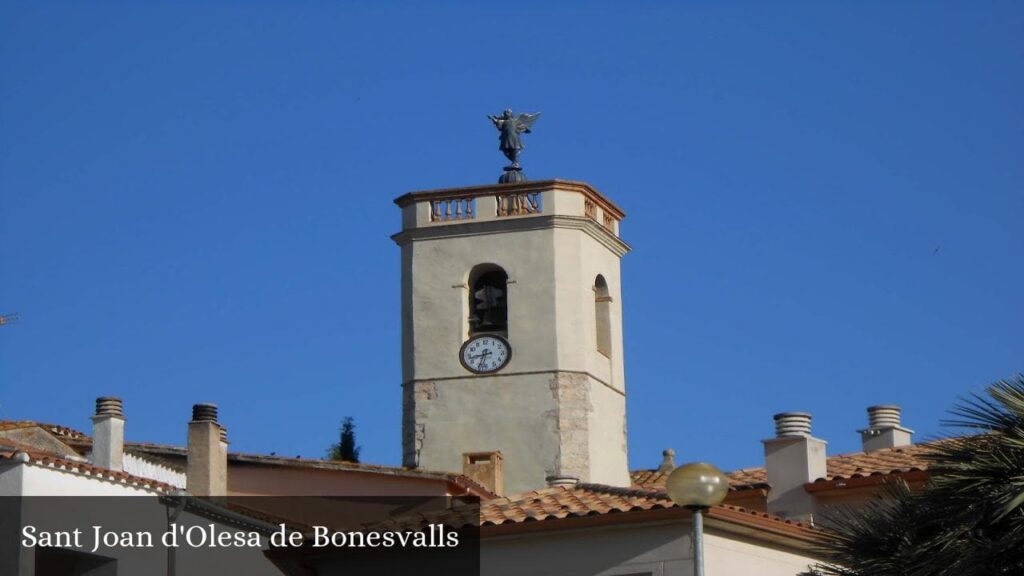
point(486, 203)
point(519, 203)
point(452, 209)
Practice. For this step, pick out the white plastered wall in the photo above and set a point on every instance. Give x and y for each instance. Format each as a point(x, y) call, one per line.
point(657, 549)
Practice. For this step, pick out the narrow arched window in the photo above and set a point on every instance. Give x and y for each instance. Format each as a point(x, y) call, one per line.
point(603, 316)
point(488, 299)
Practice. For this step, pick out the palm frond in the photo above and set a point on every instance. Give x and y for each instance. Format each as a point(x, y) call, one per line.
point(969, 518)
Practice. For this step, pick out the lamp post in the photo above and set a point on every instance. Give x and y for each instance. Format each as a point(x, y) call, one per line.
point(697, 486)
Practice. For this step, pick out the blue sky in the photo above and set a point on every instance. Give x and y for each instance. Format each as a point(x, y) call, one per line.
point(824, 201)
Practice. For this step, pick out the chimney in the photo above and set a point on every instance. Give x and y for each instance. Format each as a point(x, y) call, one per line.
point(486, 468)
point(884, 430)
point(668, 460)
point(207, 469)
point(108, 434)
point(562, 480)
point(792, 459)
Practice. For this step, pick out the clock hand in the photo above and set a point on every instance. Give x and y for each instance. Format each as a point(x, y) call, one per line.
point(483, 356)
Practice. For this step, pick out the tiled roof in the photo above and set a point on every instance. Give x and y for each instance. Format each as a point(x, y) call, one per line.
point(564, 502)
point(879, 462)
point(738, 479)
point(58, 431)
point(588, 501)
point(8, 451)
point(272, 460)
point(82, 443)
point(844, 466)
point(11, 445)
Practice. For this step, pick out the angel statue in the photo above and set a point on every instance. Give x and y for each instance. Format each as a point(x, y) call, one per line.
point(510, 145)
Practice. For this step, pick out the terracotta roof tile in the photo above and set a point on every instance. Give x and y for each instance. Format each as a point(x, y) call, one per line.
point(844, 466)
point(8, 452)
point(61, 432)
point(83, 442)
point(461, 480)
point(564, 502)
point(738, 479)
point(879, 462)
point(582, 501)
point(10, 445)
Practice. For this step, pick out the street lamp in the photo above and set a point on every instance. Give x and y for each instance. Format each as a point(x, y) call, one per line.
point(697, 487)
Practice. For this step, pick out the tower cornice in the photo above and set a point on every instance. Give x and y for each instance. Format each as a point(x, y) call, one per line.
point(586, 225)
point(457, 208)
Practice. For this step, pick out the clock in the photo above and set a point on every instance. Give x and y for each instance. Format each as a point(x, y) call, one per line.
point(485, 353)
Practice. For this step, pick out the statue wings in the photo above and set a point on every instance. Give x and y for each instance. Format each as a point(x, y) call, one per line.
point(525, 121)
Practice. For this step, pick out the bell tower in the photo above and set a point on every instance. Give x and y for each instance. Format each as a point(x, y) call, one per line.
point(512, 331)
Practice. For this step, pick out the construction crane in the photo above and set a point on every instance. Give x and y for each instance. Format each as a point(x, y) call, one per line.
point(8, 319)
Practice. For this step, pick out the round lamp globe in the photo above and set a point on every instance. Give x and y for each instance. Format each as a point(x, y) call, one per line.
point(697, 485)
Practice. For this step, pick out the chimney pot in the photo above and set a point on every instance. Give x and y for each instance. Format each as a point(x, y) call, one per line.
point(224, 434)
point(109, 406)
point(790, 424)
point(204, 413)
point(562, 480)
point(884, 416)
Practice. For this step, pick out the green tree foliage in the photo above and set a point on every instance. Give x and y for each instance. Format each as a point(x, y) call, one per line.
point(345, 449)
point(968, 520)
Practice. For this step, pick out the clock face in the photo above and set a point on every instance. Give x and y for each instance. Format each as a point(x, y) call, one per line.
point(485, 354)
